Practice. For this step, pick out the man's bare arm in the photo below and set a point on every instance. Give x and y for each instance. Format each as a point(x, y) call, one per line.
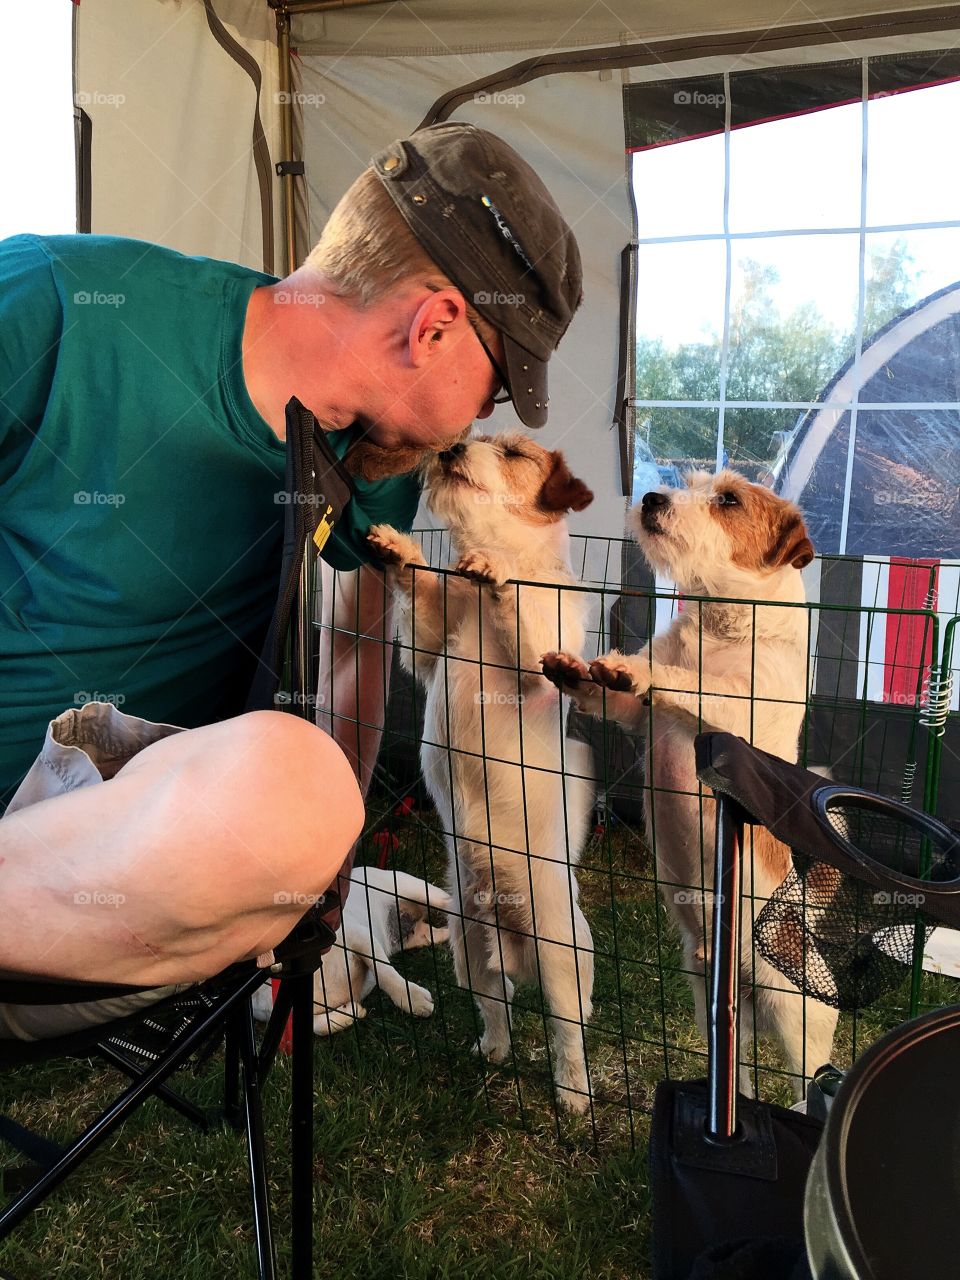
point(355, 672)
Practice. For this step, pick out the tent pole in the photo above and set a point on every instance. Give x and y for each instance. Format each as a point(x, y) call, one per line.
point(316, 6)
point(286, 146)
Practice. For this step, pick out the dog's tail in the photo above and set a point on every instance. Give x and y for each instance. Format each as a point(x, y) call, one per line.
point(404, 887)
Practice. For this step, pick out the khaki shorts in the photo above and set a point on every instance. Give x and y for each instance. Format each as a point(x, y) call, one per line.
point(83, 747)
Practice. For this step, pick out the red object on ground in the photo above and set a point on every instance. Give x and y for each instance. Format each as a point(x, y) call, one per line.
point(286, 1040)
point(386, 842)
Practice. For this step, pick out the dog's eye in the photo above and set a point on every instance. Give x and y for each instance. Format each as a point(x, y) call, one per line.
point(727, 499)
point(510, 452)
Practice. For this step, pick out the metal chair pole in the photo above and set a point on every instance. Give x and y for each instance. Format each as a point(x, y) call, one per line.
point(723, 1023)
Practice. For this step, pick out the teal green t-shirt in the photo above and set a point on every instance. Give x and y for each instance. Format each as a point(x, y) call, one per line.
point(140, 531)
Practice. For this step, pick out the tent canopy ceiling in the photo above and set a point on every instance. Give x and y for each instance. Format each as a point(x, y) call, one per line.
point(424, 28)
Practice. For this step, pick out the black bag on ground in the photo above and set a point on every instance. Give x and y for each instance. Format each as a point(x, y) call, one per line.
point(723, 1211)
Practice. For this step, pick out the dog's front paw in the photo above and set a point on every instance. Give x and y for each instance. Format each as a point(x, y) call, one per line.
point(491, 1048)
point(565, 670)
point(618, 673)
point(478, 566)
point(329, 1021)
point(418, 1001)
point(393, 547)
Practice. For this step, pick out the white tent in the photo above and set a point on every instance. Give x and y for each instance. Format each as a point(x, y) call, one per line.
point(189, 158)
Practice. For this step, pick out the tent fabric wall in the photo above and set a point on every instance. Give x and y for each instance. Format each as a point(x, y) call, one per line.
point(361, 104)
point(172, 125)
point(173, 161)
point(358, 95)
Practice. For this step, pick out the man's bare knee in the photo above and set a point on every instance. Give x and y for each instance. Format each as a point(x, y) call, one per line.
point(303, 777)
point(267, 796)
point(289, 785)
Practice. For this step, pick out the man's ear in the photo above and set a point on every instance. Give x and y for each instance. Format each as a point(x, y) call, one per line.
point(562, 491)
point(792, 545)
point(434, 316)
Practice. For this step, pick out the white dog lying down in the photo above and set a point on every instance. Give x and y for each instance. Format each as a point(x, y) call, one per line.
point(725, 666)
point(495, 733)
point(385, 912)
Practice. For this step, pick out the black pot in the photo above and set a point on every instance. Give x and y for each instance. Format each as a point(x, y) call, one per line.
point(883, 1195)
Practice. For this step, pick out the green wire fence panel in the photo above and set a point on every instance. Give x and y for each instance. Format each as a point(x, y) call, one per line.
point(610, 988)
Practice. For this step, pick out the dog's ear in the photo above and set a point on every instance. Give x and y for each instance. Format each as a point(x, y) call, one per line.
point(370, 461)
point(792, 545)
point(562, 491)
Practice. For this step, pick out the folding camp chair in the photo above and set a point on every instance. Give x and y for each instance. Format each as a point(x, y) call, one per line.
point(182, 1026)
point(729, 1173)
point(151, 1045)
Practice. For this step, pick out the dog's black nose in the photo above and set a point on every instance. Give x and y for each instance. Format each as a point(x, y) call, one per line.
point(654, 501)
point(454, 451)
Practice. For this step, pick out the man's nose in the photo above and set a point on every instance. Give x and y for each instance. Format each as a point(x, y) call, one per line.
point(455, 450)
point(654, 501)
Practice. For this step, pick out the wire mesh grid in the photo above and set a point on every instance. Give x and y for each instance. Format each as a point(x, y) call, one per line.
point(874, 717)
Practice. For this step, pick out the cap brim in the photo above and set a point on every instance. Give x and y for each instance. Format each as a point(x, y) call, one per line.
point(526, 382)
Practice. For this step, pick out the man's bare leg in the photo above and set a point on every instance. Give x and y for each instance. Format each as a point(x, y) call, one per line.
point(206, 848)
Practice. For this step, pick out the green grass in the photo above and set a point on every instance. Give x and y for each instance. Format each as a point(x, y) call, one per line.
point(429, 1162)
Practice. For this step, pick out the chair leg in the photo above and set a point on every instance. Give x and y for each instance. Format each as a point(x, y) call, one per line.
point(231, 1071)
point(256, 1153)
point(173, 1099)
point(14, 1213)
point(302, 1128)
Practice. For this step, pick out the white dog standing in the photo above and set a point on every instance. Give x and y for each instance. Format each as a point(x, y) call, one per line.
point(741, 668)
point(495, 745)
point(385, 912)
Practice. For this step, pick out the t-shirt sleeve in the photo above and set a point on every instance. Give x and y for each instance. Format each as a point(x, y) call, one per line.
point(31, 322)
point(390, 501)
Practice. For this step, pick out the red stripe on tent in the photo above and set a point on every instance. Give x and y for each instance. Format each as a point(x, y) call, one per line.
point(908, 648)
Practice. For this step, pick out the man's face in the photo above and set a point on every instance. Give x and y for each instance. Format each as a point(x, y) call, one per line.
point(441, 377)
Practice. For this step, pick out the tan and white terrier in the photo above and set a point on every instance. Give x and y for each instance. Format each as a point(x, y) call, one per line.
point(734, 661)
point(511, 790)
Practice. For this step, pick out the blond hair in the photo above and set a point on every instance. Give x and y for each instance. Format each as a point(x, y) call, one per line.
point(366, 250)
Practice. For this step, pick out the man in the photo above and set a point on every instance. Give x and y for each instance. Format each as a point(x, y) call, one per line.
point(142, 400)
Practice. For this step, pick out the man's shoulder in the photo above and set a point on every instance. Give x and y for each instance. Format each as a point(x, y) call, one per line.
point(78, 261)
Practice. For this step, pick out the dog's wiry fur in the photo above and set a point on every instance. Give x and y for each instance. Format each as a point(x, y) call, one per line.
point(495, 733)
point(385, 912)
point(725, 666)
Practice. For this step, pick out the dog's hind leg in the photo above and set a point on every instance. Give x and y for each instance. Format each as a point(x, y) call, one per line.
point(472, 944)
point(566, 975)
point(805, 1027)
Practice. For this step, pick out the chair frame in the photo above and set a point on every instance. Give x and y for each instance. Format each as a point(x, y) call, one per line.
point(246, 1068)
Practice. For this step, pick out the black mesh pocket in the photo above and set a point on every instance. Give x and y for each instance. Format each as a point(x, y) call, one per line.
point(841, 940)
